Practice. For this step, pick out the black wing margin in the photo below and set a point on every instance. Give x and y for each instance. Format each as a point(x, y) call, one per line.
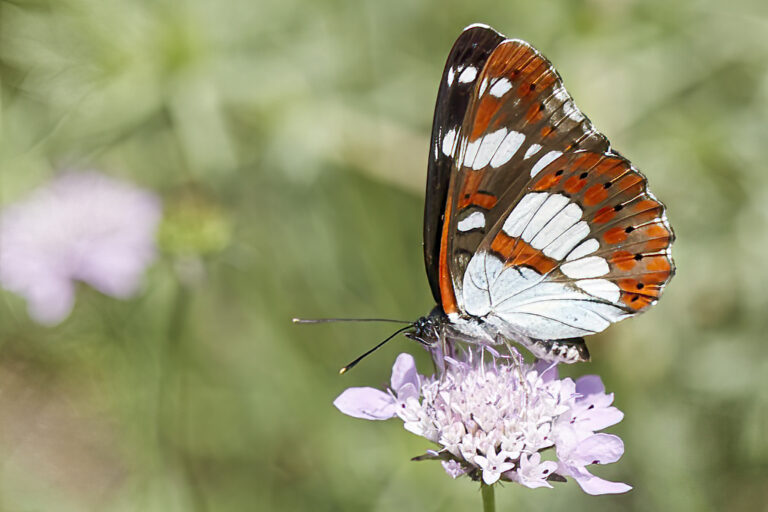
point(466, 60)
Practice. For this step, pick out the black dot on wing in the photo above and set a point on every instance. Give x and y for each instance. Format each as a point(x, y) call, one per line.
point(467, 196)
point(532, 87)
point(638, 257)
point(583, 175)
point(607, 184)
point(618, 207)
point(640, 286)
point(541, 107)
point(559, 173)
point(629, 229)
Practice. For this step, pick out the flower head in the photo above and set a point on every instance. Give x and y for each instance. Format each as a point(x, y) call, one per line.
point(492, 420)
point(83, 226)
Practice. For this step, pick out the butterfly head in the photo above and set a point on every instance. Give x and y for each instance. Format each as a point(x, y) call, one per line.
point(426, 330)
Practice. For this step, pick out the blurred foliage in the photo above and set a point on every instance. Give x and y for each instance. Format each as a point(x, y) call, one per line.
point(301, 130)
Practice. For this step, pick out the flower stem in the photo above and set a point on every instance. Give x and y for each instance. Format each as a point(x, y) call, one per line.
point(489, 499)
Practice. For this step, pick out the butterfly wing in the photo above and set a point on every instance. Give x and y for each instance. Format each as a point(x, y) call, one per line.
point(466, 59)
point(550, 234)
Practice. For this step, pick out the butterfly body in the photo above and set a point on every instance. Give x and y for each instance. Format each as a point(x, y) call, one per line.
point(436, 327)
point(535, 229)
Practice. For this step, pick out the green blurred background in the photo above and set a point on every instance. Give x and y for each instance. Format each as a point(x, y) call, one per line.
point(289, 141)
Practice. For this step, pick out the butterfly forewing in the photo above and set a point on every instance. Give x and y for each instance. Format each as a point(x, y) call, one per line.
point(520, 117)
point(549, 231)
point(464, 63)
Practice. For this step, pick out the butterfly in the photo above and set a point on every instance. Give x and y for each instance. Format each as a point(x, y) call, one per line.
point(535, 229)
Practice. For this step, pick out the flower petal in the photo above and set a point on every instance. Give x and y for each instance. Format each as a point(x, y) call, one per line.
point(453, 468)
point(406, 392)
point(598, 419)
point(547, 370)
point(589, 385)
point(404, 372)
point(366, 403)
point(533, 473)
point(491, 477)
point(50, 302)
point(595, 485)
point(598, 449)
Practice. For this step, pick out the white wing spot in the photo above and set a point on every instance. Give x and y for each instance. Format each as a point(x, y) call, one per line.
point(507, 148)
point(522, 212)
point(469, 74)
point(532, 151)
point(451, 74)
point(554, 204)
point(483, 85)
point(567, 241)
point(592, 266)
point(500, 88)
point(585, 249)
point(471, 152)
point(490, 143)
point(448, 141)
point(473, 221)
point(544, 161)
point(550, 223)
point(558, 225)
point(600, 288)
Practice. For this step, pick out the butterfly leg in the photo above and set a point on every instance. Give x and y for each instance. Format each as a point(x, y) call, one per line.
point(517, 361)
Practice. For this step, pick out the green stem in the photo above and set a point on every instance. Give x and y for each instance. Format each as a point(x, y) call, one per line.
point(489, 499)
point(172, 397)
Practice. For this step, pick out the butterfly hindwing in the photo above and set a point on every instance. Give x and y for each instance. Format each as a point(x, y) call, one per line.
point(587, 245)
point(549, 233)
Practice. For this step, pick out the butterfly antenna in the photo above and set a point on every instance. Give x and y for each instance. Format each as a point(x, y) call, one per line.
point(329, 320)
point(374, 349)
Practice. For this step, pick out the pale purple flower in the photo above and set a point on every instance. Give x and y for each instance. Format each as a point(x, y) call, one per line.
point(82, 226)
point(492, 420)
point(453, 468)
point(533, 472)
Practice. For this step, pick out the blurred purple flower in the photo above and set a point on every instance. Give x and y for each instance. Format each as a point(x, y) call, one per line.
point(493, 419)
point(82, 226)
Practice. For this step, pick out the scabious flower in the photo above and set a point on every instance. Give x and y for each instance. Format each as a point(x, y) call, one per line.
point(82, 226)
point(493, 419)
